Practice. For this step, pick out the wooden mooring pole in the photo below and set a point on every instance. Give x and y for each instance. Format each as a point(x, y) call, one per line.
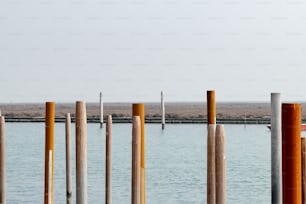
point(211, 158)
point(138, 110)
point(220, 165)
point(276, 149)
point(163, 110)
point(291, 154)
point(68, 159)
point(2, 162)
point(81, 152)
point(303, 141)
point(108, 161)
point(49, 153)
point(136, 134)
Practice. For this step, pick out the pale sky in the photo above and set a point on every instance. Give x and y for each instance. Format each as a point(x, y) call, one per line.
point(68, 50)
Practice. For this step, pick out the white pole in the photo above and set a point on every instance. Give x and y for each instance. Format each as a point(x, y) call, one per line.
point(101, 110)
point(276, 149)
point(81, 152)
point(163, 110)
point(136, 133)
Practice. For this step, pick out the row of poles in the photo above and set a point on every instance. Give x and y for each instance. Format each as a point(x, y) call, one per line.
point(288, 153)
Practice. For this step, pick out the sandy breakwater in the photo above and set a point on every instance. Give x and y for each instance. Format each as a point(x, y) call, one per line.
point(191, 112)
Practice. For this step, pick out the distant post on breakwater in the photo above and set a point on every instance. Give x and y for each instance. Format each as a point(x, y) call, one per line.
point(211, 157)
point(68, 159)
point(81, 152)
point(138, 110)
point(220, 165)
point(49, 153)
point(276, 148)
point(303, 141)
point(101, 110)
point(291, 153)
point(136, 134)
point(163, 110)
point(108, 161)
point(2, 162)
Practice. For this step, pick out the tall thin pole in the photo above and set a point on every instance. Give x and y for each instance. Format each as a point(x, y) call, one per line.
point(108, 159)
point(49, 153)
point(136, 134)
point(68, 159)
point(291, 153)
point(101, 110)
point(2, 161)
point(211, 107)
point(276, 149)
point(138, 110)
point(211, 158)
point(211, 168)
point(163, 110)
point(81, 152)
point(220, 165)
point(303, 140)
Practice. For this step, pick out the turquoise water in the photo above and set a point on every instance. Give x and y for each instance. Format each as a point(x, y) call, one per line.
point(175, 163)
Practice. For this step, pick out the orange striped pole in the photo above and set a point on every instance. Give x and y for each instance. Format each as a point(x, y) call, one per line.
point(291, 154)
point(211, 107)
point(49, 153)
point(138, 110)
point(2, 161)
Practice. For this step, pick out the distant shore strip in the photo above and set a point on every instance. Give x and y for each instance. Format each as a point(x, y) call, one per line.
point(150, 120)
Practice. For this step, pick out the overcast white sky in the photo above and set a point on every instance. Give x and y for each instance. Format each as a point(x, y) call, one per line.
point(67, 50)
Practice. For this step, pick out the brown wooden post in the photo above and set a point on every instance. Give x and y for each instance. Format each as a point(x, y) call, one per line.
point(49, 153)
point(211, 107)
point(303, 141)
point(138, 110)
point(291, 154)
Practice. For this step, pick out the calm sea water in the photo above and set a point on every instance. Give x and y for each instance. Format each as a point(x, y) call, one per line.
point(175, 163)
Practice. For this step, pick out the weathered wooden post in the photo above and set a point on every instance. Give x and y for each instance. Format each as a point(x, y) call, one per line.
point(49, 153)
point(220, 165)
point(2, 161)
point(276, 149)
point(211, 168)
point(303, 141)
point(68, 159)
point(81, 152)
point(136, 134)
point(108, 161)
point(291, 153)
point(138, 110)
point(101, 110)
point(163, 110)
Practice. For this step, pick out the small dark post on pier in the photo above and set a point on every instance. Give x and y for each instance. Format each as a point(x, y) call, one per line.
point(108, 161)
point(291, 153)
point(2, 161)
point(163, 110)
point(101, 110)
